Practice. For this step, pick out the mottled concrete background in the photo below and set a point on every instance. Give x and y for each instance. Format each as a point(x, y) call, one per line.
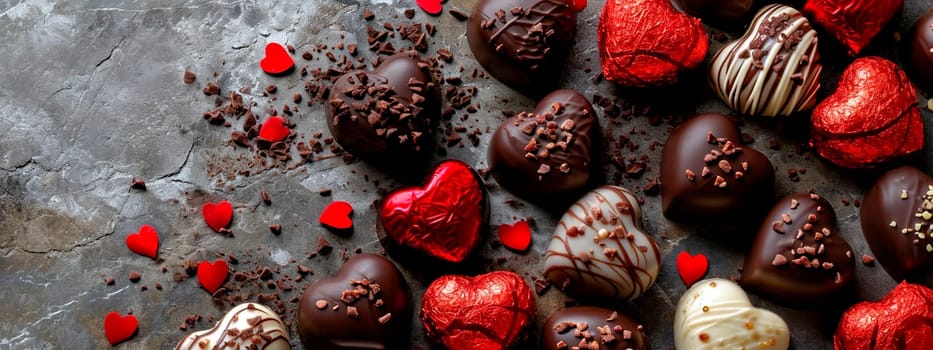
point(91, 96)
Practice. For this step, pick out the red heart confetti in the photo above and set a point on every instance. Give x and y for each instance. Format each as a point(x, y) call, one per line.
point(274, 129)
point(691, 268)
point(212, 276)
point(431, 7)
point(119, 328)
point(516, 237)
point(578, 5)
point(145, 243)
point(337, 216)
point(277, 60)
point(217, 215)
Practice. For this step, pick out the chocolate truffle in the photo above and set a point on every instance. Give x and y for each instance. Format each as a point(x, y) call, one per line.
point(246, 326)
point(716, 314)
point(723, 12)
point(919, 58)
point(774, 69)
point(549, 155)
point(708, 176)
point(522, 42)
point(798, 257)
point(897, 221)
point(903, 319)
point(386, 116)
point(366, 305)
point(599, 248)
point(589, 327)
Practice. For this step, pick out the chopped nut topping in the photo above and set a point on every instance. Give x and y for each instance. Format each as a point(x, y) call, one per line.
point(385, 318)
point(725, 166)
point(777, 226)
point(690, 175)
point(321, 304)
point(779, 259)
point(794, 204)
point(720, 182)
point(786, 218)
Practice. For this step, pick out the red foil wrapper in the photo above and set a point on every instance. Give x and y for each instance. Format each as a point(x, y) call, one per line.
point(648, 42)
point(871, 118)
point(487, 312)
point(901, 320)
point(853, 22)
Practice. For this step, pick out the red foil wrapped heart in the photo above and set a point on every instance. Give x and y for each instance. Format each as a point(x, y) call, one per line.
point(853, 22)
point(485, 312)
point(445, 218)
point(903, 319)
point(871, 118)
point(648, 42)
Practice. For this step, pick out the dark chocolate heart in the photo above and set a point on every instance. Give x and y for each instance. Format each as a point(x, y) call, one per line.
point(707, 175)
point(900, 239)
point(548, 155)
point(609, 330)
point(366, 305)
point(798, 257)
point(386, 116)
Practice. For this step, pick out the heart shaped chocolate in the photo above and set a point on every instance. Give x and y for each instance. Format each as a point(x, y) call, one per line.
point(522, 42)
point(367, 305)
point(897, 220)
point(871, 118)
point(716, 313)
point(590, 327)
point(706, 174)
point(246, 326)
point(548, 155)
point(631, 48)
point(445, 218)
point(798, 257)
point(599, 248)
point(774, 69)
point(488, 311)
point(386, 116)
point(903, 319)
point(853, 22)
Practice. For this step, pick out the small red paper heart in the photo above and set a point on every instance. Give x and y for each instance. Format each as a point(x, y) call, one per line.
point(691, 268)
point(118, 328)
point(277, 60)
point(431, 7)
point(145, 243)
point(212, 276)
point(218, 215)
point(578, 5)
point(274, 129)
point(516, 237)
point(337, 216)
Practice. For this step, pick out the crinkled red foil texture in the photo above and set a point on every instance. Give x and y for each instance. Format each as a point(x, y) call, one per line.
point(648, 42)
point(872, 117)
point(853, 22)
point(488, 311)
point(901, 320)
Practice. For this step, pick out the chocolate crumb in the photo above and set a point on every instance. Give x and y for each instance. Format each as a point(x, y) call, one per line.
point(868, 260)
point(276, 229)
point(189, 77)
point(265, 197)
point(323, 246)
point(135, 276)
point(459, 14)
point(138, 184)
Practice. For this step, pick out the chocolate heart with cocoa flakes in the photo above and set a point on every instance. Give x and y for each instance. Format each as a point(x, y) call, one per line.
point(489, 311)
point(707, 175)
point(445, 218)
point(853, 22)
point(798, 257)
point(871, 118)
point(897, 220)
point(386, 116)
point(548, 155)
point(367, 305)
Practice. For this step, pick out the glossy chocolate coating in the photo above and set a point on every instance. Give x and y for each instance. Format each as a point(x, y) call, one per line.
point(524, 143)
point(919, 59)
point(522, 49)
point(883, 204)
point(725, 12)
point(701, 199)
point(324, 328)
point(799, 259)
point(609, 329)
point(247, 325)
point(386, 116)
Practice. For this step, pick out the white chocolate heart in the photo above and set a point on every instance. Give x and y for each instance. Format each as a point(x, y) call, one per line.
point(265, 328)
point(600, 249)
point(774, 69)
point(716, 314)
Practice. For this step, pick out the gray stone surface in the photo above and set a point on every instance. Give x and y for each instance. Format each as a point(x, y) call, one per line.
point(91, 96)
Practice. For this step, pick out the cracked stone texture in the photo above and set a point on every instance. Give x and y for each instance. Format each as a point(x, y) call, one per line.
point(91, 96)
